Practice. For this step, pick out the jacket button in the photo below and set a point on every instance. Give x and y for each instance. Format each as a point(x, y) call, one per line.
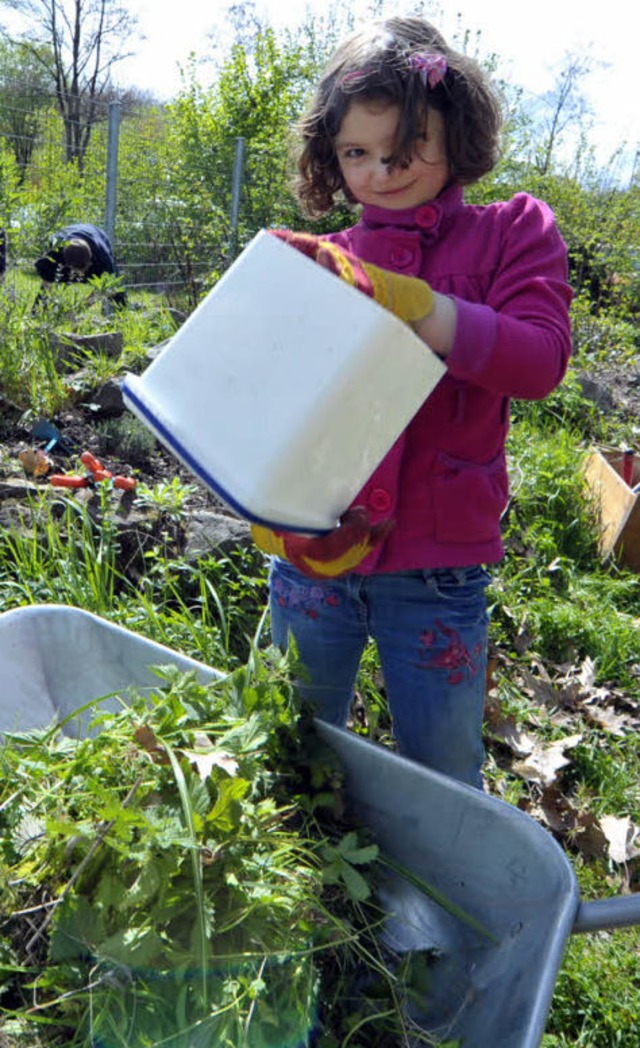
point(426, 217)
point(380, 500)
point(402, 257)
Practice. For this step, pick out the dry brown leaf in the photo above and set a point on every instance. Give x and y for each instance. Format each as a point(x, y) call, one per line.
point(587, 673)
point(201, 741)
point(540, 669)
point(562, 719)
point(204, 761)
point(147, 740)
point(507, 730)
point(615, 723)
point(491, 678)
point(579, 684)
point(556, 811)
point(621, 836)
point(492, 709)
point(545, 760)
point(540, 690)
point(588, 837)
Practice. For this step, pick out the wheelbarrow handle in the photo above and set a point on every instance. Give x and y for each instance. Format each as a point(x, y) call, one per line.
point(619, 912)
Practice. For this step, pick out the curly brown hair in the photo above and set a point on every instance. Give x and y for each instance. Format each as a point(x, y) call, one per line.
point(375, 64)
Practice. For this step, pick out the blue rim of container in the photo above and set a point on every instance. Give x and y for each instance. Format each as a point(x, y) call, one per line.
point(133, 401)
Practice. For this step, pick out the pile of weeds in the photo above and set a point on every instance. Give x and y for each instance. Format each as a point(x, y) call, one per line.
point(183, 875)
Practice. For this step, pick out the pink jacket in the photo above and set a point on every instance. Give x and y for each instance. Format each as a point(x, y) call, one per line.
point(444, 481)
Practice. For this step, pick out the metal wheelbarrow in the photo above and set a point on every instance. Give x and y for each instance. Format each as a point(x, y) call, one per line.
point(484, 855)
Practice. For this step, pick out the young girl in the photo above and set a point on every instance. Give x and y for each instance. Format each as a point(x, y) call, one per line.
point(399, 123)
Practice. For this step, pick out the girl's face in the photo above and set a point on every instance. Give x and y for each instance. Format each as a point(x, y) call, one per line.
point(364, 144)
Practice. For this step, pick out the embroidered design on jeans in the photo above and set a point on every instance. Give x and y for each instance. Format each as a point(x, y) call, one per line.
point(456, 657)
point(308, 600)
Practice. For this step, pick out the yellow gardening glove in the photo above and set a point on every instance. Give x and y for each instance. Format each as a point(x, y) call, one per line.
point(330, 555)
point(408, 298)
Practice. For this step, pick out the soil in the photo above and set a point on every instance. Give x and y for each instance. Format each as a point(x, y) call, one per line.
point(142, 523)
point(97, 422)
point(86, 426)
point(615, 390)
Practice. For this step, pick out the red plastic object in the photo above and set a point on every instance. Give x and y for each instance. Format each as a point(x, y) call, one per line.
point(627, 466)
point(124, 483)
point(91, 462)
point(68, 480)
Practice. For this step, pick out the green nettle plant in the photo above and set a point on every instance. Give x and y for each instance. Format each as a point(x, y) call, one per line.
point(181, 877)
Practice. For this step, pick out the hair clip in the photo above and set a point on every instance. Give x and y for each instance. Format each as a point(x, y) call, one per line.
point(352, 77)
point(431, 67)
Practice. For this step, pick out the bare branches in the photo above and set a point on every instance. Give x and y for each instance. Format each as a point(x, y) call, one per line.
point(566, 105)
point(84, 39)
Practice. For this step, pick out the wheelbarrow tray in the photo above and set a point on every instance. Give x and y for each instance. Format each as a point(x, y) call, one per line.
point(484, 855)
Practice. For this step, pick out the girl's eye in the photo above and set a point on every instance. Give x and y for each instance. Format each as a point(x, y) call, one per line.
point(352, 153)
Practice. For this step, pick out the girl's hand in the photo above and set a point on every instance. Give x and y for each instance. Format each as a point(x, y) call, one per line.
point(408, 298)
point(330, 555)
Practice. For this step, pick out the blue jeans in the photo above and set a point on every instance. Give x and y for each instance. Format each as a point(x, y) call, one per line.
point(430, 628)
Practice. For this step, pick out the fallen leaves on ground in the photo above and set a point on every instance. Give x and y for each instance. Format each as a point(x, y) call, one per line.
point(564, 699)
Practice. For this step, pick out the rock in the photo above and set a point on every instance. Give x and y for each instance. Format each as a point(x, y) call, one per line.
point(106, 401)
point(208, 532)
point(111, 343)
point(14, 517)
point(17, 488)
point(597, 393)
point(155, 351)
point(9, 412)
point(67, 348)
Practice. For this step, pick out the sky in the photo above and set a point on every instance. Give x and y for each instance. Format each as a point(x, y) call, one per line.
point(530, 47)
point(530, 40)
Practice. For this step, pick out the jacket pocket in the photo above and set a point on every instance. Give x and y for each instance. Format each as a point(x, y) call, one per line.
point(469, 499)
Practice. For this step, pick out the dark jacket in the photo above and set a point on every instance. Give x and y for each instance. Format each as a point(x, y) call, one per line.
point(50, 268)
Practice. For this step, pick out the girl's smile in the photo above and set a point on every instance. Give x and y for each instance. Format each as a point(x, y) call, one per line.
point(364, 144)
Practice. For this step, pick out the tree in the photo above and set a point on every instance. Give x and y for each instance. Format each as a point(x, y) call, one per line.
point(25, 94)
point(83, 40)
point(565, 108)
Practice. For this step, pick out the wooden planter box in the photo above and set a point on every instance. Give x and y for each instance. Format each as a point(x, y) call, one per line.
point(617, 506)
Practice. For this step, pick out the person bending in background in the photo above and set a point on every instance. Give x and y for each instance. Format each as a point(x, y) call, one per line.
point(76, 254)
point(399, 124)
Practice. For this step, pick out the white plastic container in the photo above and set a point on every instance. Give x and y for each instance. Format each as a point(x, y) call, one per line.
point(285, 388)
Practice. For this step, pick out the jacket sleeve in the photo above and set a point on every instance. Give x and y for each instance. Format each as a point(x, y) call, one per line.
point(517, 342)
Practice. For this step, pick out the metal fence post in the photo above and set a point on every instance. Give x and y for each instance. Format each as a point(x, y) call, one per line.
point(235, 195)
point(112, 169)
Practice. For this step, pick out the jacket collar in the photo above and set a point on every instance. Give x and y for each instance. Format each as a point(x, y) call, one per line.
point(426, 218)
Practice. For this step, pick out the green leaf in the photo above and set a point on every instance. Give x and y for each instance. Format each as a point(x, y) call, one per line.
point(132, 947)
point(226, 812)
point(77, 927)
point(352, 852)
point(355, 883)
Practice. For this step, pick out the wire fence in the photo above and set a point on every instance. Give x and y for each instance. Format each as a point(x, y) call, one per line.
point(176, 206)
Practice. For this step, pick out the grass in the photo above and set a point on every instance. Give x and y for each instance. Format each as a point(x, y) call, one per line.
point(28, 355)
point(554, 604)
